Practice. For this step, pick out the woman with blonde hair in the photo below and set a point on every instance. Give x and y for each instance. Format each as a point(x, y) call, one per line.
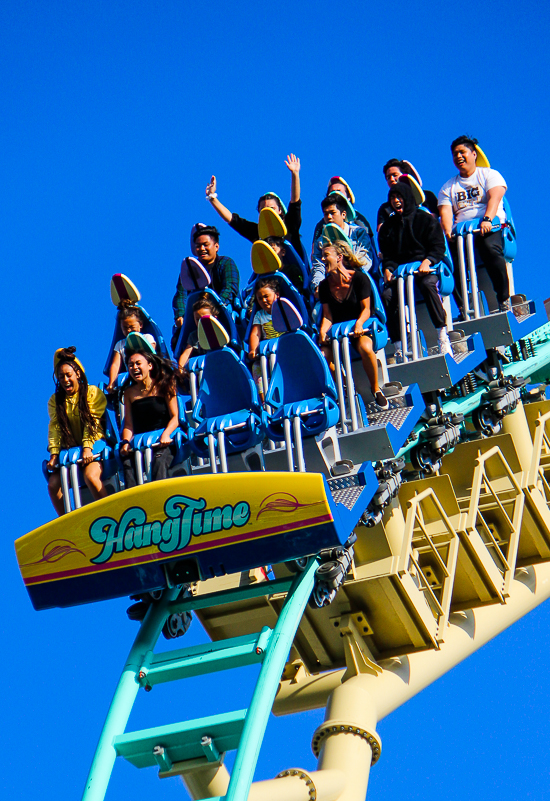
point(346, 294)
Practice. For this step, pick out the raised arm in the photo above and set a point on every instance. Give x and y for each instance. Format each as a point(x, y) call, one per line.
point(293, 164)
point(212, 196)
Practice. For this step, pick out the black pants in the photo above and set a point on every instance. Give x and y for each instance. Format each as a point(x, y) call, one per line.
point(162, 459)
point(490, 251)
point(428, 286)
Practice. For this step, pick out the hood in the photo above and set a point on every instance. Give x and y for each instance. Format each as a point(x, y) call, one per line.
point(404, 191)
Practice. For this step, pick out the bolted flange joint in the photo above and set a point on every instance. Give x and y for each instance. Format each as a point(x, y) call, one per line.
point(301, 774)
point(331, 727)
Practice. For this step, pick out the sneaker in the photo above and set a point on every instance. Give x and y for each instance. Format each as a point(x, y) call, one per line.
point(381, 400)
point(445, 347)
point(505, 306)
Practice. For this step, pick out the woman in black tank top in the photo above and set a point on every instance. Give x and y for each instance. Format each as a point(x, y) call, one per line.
point(150, 404)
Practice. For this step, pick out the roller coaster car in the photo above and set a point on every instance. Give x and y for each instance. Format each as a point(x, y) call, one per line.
point(185, 529)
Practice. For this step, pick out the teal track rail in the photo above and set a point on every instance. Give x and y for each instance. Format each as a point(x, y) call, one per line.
point(143, 669)
point(466, 406)
point(267, 684)
point(124, 697)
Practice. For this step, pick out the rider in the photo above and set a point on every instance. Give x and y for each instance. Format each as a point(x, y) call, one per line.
point(337, 210)
point(222, 269)
point(393, 170)
point(412, 234)
point(292, 217)
point(476, 192)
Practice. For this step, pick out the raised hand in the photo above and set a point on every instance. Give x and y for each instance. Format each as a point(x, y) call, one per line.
point(211, 188)
point(293, 163)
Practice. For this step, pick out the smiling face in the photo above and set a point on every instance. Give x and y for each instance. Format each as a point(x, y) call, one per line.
point(139, 367)
point(392, 175)
point(206, 249)
point(332, 214)
point(465, 160)
point(331, 259)
point(130, 324)
point(266, 297)
point(67, 377)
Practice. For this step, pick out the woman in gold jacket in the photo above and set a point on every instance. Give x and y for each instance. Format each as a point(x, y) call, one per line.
point(75, 411)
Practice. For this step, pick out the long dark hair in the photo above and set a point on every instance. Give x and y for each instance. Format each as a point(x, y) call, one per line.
point(163, 373)
point(87, 419)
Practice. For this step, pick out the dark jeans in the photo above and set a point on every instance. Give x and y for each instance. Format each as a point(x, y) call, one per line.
point(490, 251)
point(428, 286)
point(162, 459)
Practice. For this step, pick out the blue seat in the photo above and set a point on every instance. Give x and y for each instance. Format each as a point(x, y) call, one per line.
point(301, 394)
point(143, 444)
point(225, 317)
point(72, 477)
point(442, 269)
point(268, 347)
point(286, 290)
point(150, 327)
point(507, 229)
point(228, 412)
point(466, 243)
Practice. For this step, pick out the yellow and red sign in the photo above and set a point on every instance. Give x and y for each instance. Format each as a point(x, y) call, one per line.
point(179, 517)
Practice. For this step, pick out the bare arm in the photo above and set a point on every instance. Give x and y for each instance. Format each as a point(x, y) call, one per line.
point(128, 429)
point(114, 370)
point(494, 196)
point(254, 341)
point(293, 164)
point(222, 210)
point(446, 213)
point(166, 436)
point(363, 317)
point(185, 355)
point(326, 323)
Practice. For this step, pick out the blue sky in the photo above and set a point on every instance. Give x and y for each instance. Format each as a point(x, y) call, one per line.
point(114, 116)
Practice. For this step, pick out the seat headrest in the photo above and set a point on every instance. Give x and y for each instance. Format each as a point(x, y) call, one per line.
point(212, 335)
point(193, 274)
point(286, 316)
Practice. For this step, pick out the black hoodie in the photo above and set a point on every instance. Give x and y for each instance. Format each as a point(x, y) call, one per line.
point(411, 236)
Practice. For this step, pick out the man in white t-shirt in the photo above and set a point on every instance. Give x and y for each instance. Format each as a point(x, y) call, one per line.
point(476, 193)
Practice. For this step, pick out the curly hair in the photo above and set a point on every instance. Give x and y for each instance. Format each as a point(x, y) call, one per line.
point(352, 260)
point(269, 282)
point(86, 417)
point(163, 372)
